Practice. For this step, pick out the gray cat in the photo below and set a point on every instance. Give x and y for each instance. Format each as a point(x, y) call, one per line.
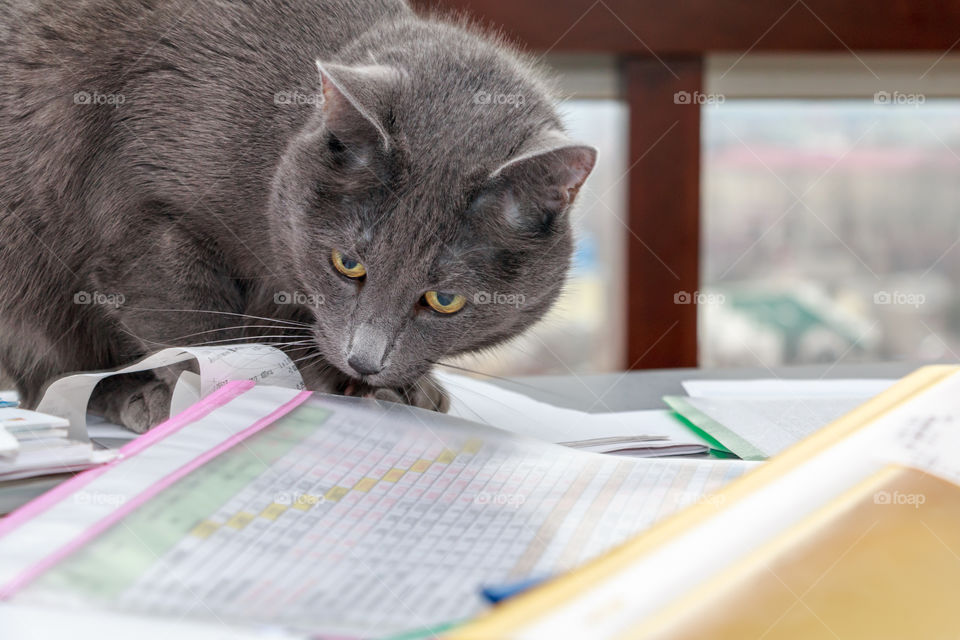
point(354, 183)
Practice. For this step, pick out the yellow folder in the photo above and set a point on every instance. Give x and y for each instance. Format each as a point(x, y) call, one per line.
point(878, 557)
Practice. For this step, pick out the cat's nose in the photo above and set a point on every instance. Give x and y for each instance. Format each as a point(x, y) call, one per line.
point(362, 366)
point(367, 350)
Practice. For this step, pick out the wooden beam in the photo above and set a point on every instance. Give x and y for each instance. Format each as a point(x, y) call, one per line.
point(663, 254)
point(696, 26)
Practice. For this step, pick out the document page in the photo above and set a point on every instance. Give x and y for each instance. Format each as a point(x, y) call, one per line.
point(355, 519)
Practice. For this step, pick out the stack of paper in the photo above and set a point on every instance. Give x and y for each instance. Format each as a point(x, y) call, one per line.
point(36, 453)
point(21, 425)
point(33, 444)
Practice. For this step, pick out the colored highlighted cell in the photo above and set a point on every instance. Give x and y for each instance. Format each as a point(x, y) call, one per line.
point(205, 529)
point(335, 493)
point(393, 475)
point(365, 484)
point(421, 465)
point(240, 520)
point(446, 456)
point(273, 511)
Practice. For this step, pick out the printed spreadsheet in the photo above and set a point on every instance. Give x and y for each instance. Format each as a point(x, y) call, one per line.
point(336, 521)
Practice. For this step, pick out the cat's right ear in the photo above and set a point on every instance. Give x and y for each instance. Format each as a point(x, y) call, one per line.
point(353, 97)
point(548, 170)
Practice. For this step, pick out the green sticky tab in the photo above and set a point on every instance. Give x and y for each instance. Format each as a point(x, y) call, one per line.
point(712, 430)
point(717, 450)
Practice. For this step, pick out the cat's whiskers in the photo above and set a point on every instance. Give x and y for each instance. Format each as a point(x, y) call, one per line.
point(319, 360)
point(493, 376)
point(249, 339)
point(312, 361)
point(307, 357)
point(226, 342)
point(240, 327)
point(422, 390)
point(225, 313)
point(455, 386)
point(514, 343)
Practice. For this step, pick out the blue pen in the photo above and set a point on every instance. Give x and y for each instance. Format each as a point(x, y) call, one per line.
point(6, 404)
point(498, 593)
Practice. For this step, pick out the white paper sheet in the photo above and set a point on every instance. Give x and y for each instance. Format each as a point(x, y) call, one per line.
point(781, 388)
point(930, 443)
point(8, 444)
point(486, 403)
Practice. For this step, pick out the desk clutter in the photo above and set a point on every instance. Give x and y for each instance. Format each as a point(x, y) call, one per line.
point(267, 506)
point(849, 534)
point(36, 453)
point(261, 509)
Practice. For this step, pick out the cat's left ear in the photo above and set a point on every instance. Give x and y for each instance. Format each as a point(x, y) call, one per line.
point(554, 163)
point(353, 97)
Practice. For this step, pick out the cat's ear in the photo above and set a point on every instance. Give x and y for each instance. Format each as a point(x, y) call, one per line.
point(352, 96)
point(554, 165)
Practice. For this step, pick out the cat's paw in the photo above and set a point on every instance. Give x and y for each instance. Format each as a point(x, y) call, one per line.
point(137, 405)
point(426, 393)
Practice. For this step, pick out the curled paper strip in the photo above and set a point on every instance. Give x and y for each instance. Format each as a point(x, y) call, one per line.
point(68, 397)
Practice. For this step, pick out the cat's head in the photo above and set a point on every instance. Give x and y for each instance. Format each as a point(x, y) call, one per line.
point(425, 208)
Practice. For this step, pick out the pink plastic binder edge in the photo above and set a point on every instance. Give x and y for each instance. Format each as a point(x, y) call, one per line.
point(215, 400)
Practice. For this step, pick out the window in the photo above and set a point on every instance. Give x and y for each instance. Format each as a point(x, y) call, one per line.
point(830, 230)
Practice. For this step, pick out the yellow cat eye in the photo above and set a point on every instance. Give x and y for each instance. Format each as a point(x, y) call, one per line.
point(347, 266)
point(444, 302)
